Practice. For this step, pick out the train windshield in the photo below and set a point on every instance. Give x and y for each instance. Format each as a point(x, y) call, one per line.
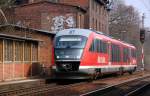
point(70, 42)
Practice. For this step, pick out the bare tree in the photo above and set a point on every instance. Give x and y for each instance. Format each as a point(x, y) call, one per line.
point(5, 4)
point(124, 21)
point(125, 25)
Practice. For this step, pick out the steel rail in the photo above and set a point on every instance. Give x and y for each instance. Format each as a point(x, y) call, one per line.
point(48, 89)
point(104, 89)
point(135, 92)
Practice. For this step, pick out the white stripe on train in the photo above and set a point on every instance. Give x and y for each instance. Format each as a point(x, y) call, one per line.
point(112, 66)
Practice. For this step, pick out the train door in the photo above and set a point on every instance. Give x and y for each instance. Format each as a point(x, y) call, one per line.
point(109, 53)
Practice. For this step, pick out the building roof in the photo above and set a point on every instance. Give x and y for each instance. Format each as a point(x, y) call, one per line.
point(26, 28)
point(6, 36)
point(41, 2)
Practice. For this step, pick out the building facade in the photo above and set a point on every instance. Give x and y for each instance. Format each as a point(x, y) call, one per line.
point(97, 13)
point(49, 16)
point(94, 17)
point(24, 52)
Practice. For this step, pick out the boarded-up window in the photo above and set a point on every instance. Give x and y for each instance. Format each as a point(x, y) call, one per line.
point(18, 51)
point(34, 51)
point(27, 51)
point(1, 50)
point(8, 53)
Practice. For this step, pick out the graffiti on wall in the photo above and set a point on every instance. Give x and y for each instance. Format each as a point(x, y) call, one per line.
point(61, 22)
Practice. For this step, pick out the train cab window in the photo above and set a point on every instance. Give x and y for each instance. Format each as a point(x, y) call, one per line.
point(70, 42)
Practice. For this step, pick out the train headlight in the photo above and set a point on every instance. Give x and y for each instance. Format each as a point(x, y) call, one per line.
point(77, 57)
point(58, 57)
point(67, 56)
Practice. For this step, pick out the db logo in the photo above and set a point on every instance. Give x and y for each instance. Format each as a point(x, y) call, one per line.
point(101, 59)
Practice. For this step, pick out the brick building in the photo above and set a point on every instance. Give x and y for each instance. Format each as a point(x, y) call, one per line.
point(23, 51)
point(33, 44)
point(97, 13)
point(95, 17)
point(49, 16)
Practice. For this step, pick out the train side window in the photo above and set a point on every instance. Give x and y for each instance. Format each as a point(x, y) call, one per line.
point(103, 47)
point(112, 53)
point(93, 46)
point(98, 46)
point(133, 52)
point(125, 54)
point(115, 53)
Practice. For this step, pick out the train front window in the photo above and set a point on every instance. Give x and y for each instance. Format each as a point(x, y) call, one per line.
point(70, 42)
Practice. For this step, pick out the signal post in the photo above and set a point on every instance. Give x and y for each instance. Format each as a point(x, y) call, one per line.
point(142, 39)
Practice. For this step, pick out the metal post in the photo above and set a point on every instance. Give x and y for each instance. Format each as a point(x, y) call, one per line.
point(143, 17)
point(143, 57)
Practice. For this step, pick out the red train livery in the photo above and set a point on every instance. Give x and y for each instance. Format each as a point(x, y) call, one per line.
point(83, 53)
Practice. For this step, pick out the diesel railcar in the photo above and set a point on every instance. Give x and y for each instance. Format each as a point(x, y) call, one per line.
point(84, 53)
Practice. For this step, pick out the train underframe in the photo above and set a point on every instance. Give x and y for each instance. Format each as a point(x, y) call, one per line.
point(75, 71)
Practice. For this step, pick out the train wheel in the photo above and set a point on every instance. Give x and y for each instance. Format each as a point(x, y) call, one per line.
point(90, 78)
point(134, 69)
point(96, 75)
point(130, 72)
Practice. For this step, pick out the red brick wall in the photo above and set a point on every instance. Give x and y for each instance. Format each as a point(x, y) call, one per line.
point(42, 15)
point(27, 16)
point(1, 71)
point(96, 16)
point(82, 3)
point(27, 70)
point(18, 70)
point(8, 71)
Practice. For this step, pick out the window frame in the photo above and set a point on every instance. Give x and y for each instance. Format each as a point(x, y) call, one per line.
point(99, 46)
point(9, 51)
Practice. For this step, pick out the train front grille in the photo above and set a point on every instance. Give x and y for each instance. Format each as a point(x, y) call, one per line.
point(67, 66)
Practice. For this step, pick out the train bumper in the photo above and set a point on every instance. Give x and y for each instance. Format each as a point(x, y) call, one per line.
point(80, 74)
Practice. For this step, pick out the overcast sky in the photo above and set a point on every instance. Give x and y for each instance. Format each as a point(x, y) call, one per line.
point(143, 7)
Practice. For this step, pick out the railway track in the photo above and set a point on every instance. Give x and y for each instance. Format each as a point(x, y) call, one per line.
point(36, 89)
point(139, 90)
point(12, 92)
point(54, 89)
point(127, 88)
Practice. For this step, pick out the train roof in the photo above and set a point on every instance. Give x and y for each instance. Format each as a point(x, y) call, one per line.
point(113, 39)
point(87, 32)
point(74, 31)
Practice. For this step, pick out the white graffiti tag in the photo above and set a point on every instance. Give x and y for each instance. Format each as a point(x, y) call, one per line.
point(58, 23)
point(70, 22)
point(61, 21)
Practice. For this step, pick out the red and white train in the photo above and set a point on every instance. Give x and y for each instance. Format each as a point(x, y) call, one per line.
point(83, 53)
